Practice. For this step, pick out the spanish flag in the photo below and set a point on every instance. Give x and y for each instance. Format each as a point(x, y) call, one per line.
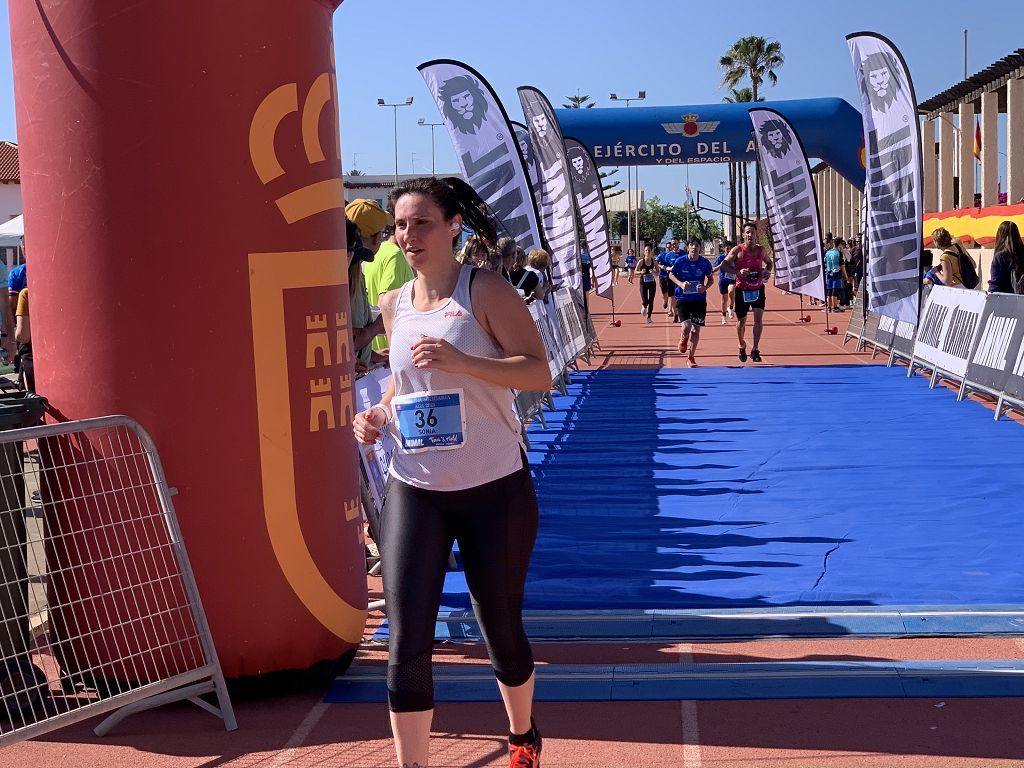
point(977, 140)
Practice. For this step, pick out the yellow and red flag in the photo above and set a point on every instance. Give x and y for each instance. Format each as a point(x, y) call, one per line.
point(977, 141)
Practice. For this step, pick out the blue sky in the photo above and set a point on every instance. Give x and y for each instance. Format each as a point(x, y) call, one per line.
point(670, 48)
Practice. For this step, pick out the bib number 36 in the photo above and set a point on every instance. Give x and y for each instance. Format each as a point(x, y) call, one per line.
point(430, 421)
point(425, 419)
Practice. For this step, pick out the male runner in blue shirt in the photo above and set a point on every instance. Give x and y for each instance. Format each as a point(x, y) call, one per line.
point(692, 277)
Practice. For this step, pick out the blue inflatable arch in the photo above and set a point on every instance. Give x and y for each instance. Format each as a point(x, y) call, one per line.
point(831, 130)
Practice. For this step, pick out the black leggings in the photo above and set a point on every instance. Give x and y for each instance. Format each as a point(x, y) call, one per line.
point(495, 525)
point(647, 295)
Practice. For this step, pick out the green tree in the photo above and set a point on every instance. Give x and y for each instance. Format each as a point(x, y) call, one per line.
point(656, 217)
point(755, 59)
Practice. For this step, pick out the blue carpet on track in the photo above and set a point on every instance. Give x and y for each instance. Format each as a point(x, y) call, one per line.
point(758, 487)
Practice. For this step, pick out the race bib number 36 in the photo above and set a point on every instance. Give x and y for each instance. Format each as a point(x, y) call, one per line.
point(430, 420)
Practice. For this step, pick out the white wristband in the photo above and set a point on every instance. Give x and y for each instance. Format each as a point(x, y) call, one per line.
point(385, 410)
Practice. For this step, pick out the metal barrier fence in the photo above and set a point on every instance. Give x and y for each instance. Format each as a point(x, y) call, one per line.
point(967, 337)
point(100, 611)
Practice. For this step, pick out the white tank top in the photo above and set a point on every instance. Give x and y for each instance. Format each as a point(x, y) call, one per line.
point(491, 437)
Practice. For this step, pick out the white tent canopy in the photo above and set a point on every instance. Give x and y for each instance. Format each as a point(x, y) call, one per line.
point(11, 232)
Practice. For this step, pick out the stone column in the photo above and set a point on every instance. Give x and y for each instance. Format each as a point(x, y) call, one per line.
point(945, 161)
point(858, 201)
point(844, 207)
point(931, 186)
point(966, 167)
point(989, 148)
point(1015, 140)
point(834, 182)
point(824, 196)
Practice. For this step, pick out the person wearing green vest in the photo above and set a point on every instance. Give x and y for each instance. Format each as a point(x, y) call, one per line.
point(389, 269)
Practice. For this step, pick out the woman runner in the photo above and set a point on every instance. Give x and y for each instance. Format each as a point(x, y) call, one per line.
point(461, 340)
point(645, 268)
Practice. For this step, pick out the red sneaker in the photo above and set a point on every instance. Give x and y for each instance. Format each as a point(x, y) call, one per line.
point(691, 362)
point(525, 755)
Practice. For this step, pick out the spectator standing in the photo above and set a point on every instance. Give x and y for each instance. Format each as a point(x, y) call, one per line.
point(388, 270)
point(368, 222)
point(523, 279)
point(835, 276)
point(1006, 273)
point(23, 336)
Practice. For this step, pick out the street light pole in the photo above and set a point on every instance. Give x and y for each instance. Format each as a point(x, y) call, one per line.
point(394, 106)
point(640, 96)
point(423, 121)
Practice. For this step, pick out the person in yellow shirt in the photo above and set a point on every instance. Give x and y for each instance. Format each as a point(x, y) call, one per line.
point(23, 336)
point(387, 271)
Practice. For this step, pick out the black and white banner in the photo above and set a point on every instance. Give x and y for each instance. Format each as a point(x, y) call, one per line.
point(951, 321)
point(791, 203)
point(997, 361)
point(893, 185)
point(486, 146)
point(586, 187)
point(556, 357)
point(570, 325)
point(530, 158)
point(558, 214)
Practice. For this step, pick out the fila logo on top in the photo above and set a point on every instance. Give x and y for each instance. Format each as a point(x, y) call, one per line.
point(453, 313)
point(691, 126)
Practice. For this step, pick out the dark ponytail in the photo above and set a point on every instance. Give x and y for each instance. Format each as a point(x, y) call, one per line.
point(454, 197)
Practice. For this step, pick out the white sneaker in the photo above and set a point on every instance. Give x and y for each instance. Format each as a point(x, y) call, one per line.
point(730, 312)
point(724, 321)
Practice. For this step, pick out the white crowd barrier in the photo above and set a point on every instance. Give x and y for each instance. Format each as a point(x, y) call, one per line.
point(100, 611)
point(973, 339)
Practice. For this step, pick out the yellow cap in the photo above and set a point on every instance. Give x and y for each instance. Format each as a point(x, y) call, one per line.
point(368, 216)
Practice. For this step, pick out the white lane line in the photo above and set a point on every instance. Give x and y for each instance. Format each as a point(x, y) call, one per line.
point(691, 729)
point(299, 736)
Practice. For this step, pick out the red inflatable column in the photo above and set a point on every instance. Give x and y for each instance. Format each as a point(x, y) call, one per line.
point(185, 245)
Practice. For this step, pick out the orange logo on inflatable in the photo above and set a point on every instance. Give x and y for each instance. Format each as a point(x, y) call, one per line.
point(299, 306)
point(863, 157)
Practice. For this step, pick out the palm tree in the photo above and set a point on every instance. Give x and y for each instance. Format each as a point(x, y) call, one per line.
point(756, 59)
